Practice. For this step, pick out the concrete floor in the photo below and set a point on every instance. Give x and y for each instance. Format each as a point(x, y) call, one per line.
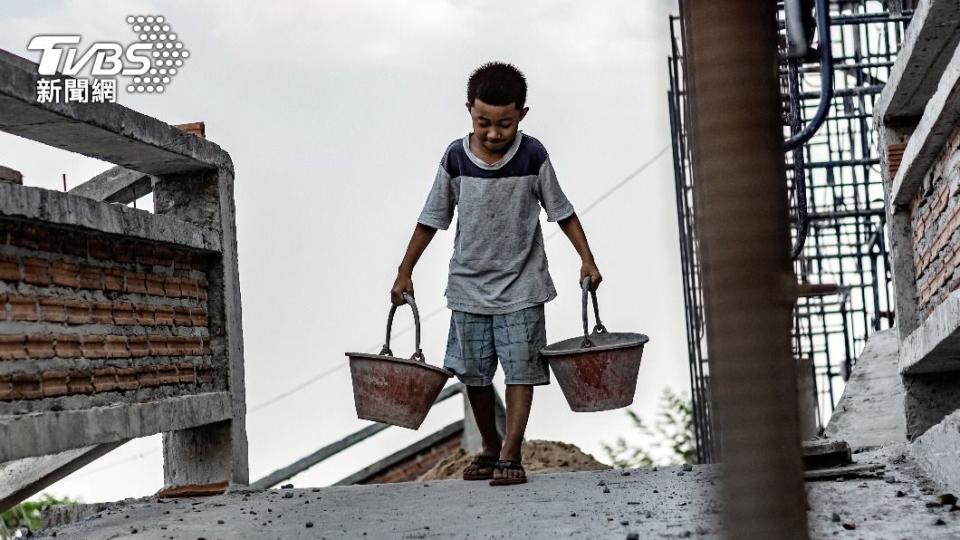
point(607, 504)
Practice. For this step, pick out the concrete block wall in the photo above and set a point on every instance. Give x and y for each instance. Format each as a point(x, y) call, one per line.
point(114, 319)
point(935, 220)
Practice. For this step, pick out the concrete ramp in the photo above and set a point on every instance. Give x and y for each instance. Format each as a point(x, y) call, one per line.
point(870, 412)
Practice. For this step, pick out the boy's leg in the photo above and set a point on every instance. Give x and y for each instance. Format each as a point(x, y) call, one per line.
point(518, 337)
point(519, 399)
point(483, 401)
point(470, 356)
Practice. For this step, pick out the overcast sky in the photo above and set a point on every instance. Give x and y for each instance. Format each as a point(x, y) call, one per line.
point(336, 114)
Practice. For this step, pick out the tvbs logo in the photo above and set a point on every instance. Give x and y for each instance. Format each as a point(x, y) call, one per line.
point(149, 63)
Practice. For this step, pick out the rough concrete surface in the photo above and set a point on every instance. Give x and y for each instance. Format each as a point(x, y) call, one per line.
point(937, 452)
point(870, 412)
point(664, 503)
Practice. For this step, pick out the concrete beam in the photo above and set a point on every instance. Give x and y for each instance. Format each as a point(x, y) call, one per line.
point(868, 414)
point(116, 185)
point(934, 346)
point(33, 434)
point(64, 209)
point(940, 117)
point(928, 44)
point(937, 452)
point(24, 478)
point(105, 131)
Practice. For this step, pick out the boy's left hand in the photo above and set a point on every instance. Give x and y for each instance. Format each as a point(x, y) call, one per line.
point(590, 269)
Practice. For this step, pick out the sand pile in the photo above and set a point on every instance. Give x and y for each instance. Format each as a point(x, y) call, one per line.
point(538, 457)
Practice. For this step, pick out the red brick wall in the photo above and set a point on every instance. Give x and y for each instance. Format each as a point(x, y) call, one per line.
point(82, 313)
point(411, 468)
point(935, 219)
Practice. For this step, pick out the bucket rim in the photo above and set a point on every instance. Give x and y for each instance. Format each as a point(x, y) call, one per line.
point(368, 356)
point(562, 348)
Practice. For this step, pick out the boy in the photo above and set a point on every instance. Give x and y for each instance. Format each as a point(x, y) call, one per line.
point(498, 178)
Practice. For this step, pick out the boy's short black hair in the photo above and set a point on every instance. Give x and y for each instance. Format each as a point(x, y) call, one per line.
point(497, 83)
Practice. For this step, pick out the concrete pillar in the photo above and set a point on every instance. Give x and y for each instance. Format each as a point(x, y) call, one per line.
point(740, 191)
point(215, 452)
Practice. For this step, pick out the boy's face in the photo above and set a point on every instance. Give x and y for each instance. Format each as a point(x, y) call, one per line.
point(495, 126)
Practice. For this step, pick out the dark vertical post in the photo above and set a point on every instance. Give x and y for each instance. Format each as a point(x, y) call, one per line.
point(749, 286)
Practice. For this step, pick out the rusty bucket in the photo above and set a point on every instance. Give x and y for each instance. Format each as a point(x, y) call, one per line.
point(598, 371)
point(397, 391)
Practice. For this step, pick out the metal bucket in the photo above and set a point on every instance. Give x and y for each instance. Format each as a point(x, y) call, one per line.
point(598, 371)
point(397, 391)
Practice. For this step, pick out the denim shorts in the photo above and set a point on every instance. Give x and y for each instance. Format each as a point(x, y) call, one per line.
point(476, 341)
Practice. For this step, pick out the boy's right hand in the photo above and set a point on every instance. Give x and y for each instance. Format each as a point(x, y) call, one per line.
point(403, 284)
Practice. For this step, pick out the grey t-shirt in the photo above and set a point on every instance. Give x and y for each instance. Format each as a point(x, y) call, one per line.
point(498, 264)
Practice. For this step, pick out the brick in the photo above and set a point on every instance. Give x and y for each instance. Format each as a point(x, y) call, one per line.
point(116, 347)
point(124, 252)
point(205, 348)
point(36, 271)
point(27, 385)
point(155, 285)
point(67, 346)
point(193, 345)
point(9, 269)
point(163, 315)
point(138, 346)
point(123, 313)
point(22, 308)
point(163, 256)
point(52, 310)
point(127, 379)
point(13, 347)
point(78, 311)
point(54, 383)
point(89, 278)
point(40, 346)
point(112, 280)
point(171, 286)
point(181, 316)
point(74, 244)
point(65, 274)
point(81, 382)
point(205, 374)
point(177, 345)
point(158, 345)
point(186, 373)
point(102, 313)
point(189, 288)
point(94, 347)
point(167, 374)
point(6, 389)
point(145, 314)
point(104, 379)
point(198, 317)
point(136, 283)
point(100, 249)
point(147, 375)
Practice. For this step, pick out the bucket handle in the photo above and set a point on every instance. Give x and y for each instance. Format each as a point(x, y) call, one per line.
point(598, 328)
point(385, 351)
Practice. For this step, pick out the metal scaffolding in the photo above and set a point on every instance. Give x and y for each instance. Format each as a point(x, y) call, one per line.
point(838, 219)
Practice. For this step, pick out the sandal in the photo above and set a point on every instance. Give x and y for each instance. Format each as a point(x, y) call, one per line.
point(513, 465)
point(480, 462)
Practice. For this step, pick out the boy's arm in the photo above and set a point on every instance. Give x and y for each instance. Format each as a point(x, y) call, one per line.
point(574, 231)
point(421, 238)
